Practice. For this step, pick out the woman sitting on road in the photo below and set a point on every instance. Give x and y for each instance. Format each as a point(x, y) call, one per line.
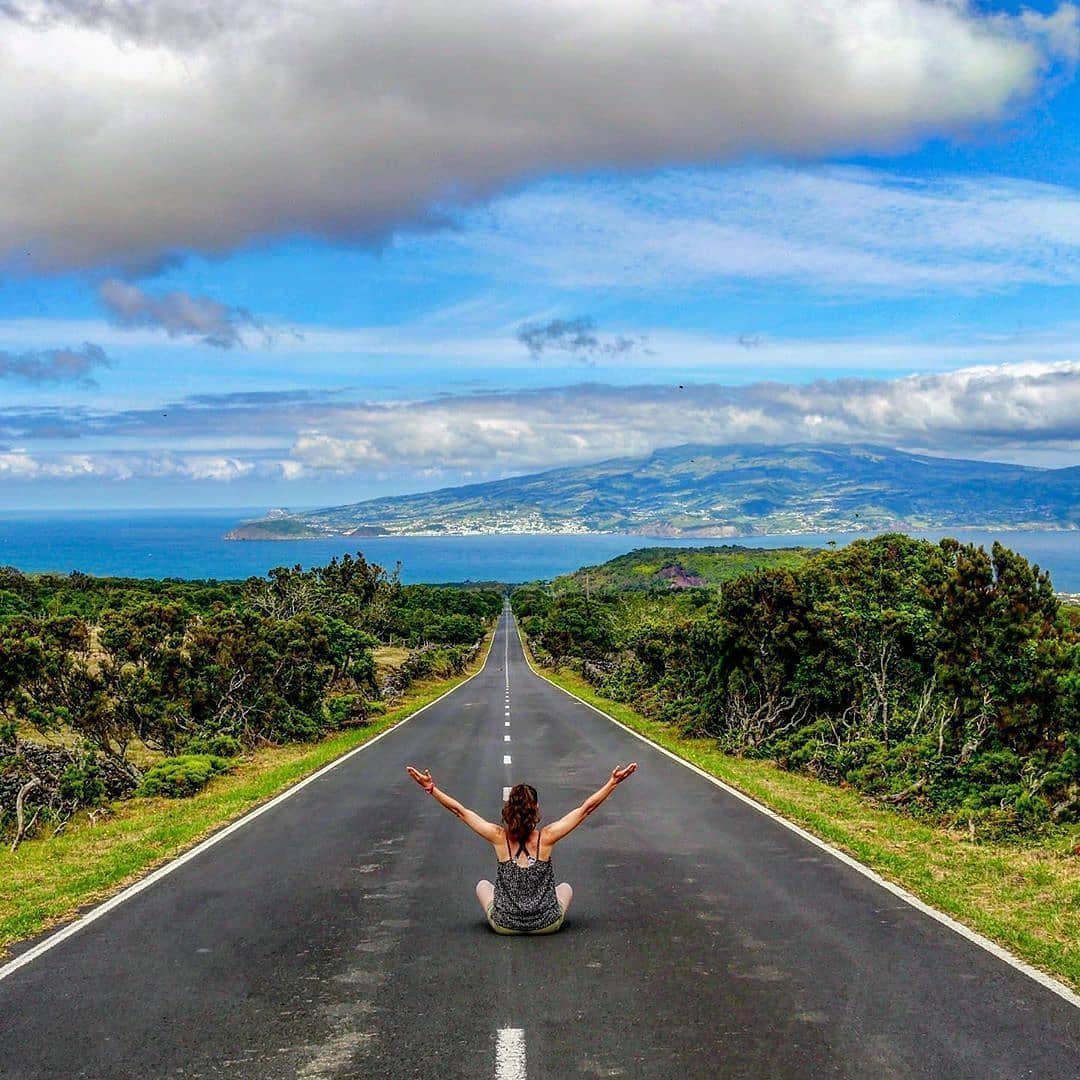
point(524, 898)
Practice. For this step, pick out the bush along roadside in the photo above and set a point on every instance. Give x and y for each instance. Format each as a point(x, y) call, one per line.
point(104, 679)
point(940, 679)
point(183, 775)
point(1023, 893)
point(428, 661)
point(44, 881)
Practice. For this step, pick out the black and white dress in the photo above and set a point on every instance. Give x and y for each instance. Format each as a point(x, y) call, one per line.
point(525, 899)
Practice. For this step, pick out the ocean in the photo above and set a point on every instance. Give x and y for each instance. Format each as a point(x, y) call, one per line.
point(188, 544)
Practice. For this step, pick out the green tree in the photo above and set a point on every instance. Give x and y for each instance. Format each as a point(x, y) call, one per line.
point(258, 678)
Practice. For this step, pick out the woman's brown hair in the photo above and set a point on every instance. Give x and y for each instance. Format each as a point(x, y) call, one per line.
point(521, 812)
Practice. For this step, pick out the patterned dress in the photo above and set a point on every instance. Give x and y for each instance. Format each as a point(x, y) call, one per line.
point(525, 899)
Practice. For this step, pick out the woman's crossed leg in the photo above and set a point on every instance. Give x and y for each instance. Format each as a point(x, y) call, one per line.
point(485, 893)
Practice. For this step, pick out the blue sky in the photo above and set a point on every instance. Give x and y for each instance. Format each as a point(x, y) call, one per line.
point(236, 271)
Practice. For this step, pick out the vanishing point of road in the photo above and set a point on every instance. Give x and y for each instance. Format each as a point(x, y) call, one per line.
point(337, 935)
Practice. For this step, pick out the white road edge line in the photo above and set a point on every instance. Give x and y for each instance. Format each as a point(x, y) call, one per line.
point(510, 1054)
point(94, 914)
point(973, 936)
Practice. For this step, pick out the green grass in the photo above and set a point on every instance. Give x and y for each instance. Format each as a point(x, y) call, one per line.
point(1026, 897)
point(46, 880)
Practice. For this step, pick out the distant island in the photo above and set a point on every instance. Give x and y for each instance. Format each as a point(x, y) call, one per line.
point(715, 491)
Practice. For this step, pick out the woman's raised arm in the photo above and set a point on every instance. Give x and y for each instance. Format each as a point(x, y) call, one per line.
point(487, 829)
point(567, 824)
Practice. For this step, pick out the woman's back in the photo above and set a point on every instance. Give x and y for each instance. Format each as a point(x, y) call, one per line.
point(525, 896)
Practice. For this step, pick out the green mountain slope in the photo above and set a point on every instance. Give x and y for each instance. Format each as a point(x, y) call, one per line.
point(718, 491)
point(665, 568)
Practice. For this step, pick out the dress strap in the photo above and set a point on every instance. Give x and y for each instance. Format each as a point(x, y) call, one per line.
point(539, 833)
point(507, 834)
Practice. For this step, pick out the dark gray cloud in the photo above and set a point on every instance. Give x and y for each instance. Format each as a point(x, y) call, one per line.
point(178, 313)
point(195, 126)
point(176, 23)
point(54, 365)
point(575, 336)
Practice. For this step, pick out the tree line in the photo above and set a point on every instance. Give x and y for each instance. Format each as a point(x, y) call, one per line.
point(200, 670)
point(935, 676)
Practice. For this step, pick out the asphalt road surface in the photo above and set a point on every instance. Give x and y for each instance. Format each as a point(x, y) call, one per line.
point(338, 935)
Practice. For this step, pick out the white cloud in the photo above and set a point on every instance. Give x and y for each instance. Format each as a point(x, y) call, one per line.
point(840, 230)
point(196, 126)
point(1011, 412)
point(17, 464)
point(958, 412)
point(1061, 29)
point(112, 466)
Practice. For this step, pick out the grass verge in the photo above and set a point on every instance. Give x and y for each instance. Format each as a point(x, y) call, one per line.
point(1024, 896)
point(45, 881)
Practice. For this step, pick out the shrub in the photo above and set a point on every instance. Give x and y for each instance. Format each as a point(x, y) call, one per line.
point(225, 746)
point(346, 710)
point(178, 777)
point(82, 783)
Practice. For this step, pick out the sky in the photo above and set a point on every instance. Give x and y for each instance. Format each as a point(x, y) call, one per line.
point(306, 252)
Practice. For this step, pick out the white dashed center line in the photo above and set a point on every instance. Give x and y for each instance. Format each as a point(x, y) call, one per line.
point(506, 759)
point(506, 794)
point(506, 738)
point(510, 1054)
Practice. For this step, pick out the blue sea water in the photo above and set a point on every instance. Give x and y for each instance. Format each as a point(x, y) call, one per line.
point(189, 544)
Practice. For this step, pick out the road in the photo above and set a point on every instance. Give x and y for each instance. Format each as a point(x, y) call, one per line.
point(337, 935)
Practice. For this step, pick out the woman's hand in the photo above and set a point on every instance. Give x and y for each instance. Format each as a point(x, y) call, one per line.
point(422, 778)
point(619, 774)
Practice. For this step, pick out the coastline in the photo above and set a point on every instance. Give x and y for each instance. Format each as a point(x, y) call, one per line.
point(658, 534)
point(188, 545)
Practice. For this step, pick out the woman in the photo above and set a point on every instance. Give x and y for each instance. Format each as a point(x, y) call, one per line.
point(524, 898)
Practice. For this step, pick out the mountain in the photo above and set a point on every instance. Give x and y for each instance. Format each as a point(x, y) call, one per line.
point(716, 491)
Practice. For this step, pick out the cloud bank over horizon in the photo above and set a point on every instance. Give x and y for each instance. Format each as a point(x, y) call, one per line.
point(183, 127)
point(1008, 412)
